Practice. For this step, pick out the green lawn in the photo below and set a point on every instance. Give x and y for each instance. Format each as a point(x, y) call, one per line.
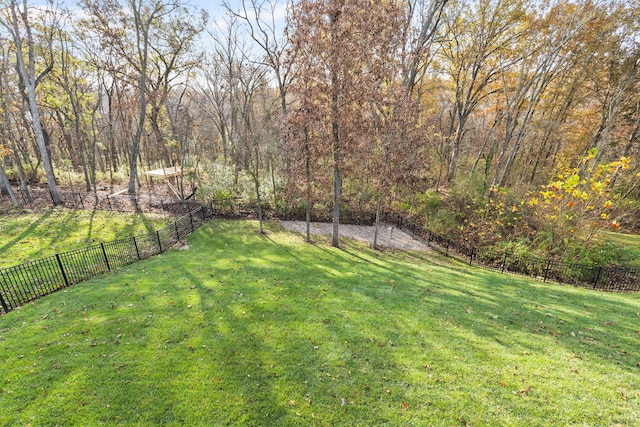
point(629, 241)
point(26, 236)
point(243, 329)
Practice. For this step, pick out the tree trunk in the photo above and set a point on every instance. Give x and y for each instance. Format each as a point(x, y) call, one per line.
point(337, 180)
point(4, 183)
point(11, 137)
point(142, 38)
point(377, 227)
point(27, 73)
point(307, 166)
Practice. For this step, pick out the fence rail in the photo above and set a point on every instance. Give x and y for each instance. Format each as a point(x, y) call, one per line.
point(606, 278)
point(26, 282)
point(119, 203)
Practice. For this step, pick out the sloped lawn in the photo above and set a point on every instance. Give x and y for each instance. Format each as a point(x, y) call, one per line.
point(244, 329)
point(25, 236)
point(629, 241)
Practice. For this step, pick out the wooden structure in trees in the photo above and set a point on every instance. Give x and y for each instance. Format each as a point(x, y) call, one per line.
point(170, 175)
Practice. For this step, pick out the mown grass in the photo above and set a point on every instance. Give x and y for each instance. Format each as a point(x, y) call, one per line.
point(629, 241)
point(26, 236)
point(244, 329)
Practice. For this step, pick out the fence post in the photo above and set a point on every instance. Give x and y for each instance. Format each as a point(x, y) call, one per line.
point(175, 224)
point(504, 261)
point(159, 241)
point(135, 243)
point(472, 251)
point(4, 304)
point(191, 220)
point(64, 275)
point(203, 216)
point(81, 201)
point(546, 271)
point(447, 253)
point(595, 282)
point(109, 200)
point(106, 259)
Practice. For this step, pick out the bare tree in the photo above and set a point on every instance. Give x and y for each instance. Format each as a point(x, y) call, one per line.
point(115, 20)
point(16, 20)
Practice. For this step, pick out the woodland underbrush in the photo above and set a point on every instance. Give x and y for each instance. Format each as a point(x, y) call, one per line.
point(511, 221)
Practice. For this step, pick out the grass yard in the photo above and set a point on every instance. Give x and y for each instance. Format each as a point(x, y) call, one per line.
point(26, 236)
point(629, 241)
point(243, 329)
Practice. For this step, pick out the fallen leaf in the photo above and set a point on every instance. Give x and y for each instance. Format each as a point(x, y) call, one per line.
point(502, 383)
point(405, 405)
point(526, 390)
point(292, 403)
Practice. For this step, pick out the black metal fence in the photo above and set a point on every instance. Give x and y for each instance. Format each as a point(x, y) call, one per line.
point(26, 282)
point(40, 197)
point(606, 278)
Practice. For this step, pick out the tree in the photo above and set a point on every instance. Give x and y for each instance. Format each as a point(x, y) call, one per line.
point(115, 21)
point(477, 36)
point(343, 54)
point(540, 59)
point(17, 22)
point(8, 126)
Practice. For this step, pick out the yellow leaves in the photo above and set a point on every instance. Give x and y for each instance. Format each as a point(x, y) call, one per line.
point(547, 195)
point(533, 202)
point(608, 204)
point(623, 164)
point(577, 194)
point(597, 186)
point(591, 155)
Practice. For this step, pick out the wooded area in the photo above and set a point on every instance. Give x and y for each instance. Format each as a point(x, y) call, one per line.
point(515, 118)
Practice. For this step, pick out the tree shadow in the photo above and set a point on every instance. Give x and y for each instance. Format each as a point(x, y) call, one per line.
point(26, 233)
point(272, 327)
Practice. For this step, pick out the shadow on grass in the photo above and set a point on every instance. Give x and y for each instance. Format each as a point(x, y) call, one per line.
point(26, 233)
point(244, 329)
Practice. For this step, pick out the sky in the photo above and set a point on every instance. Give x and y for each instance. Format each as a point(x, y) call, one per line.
point(217, 11)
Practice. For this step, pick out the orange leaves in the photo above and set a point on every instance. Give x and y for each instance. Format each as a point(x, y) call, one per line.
point(4, 151)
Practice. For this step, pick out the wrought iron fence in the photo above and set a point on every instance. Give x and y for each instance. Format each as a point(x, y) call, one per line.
point(26, 282)
point(606, 278)
point(118, 203)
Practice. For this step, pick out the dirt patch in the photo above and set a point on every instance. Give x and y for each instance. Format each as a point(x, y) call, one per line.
point(388, 237)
